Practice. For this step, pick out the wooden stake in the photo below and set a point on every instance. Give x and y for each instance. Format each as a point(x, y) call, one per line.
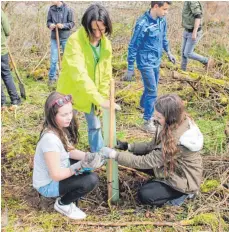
point(111, 137)
point(58, 47)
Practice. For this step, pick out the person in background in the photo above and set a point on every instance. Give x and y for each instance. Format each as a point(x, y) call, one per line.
point(5, 68)
point(86, 70)
point(173, 155)
point(146, 46)
point(60, 16)
point(192, 14)
point(53, 175)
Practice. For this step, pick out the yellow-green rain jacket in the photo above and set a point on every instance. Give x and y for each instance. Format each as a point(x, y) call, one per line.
point(88, 84)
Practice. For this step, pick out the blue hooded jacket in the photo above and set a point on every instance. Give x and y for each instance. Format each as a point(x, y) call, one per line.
point(147, 43)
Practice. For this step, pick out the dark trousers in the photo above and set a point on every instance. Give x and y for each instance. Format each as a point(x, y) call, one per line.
point(156, 193)
point(8, 81)
point(74, 187)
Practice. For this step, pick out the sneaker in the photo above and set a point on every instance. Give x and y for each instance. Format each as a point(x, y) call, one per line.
point(149, 126)
point(70, 210)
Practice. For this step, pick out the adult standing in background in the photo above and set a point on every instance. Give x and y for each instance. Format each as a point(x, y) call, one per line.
point(86, 70)
point(146, 46)
point(61, 16)
point(5, 69)
point(191, 21)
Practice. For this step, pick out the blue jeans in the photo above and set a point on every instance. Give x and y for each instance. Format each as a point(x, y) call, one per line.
point(95, 137)
point(150, 79)
point(50, 190)
point(54, 57)
point(188, 46)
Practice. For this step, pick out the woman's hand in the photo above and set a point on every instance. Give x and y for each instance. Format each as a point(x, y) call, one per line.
point(106, 105)
point(108, 153)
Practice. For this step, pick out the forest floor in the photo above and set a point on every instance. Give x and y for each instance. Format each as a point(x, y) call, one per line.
point(24, 210)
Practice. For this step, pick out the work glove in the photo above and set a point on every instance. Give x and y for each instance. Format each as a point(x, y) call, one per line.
point(129, 76)
point(92, 161)
point(171, 57)
point(108, 153)
point(121, 145)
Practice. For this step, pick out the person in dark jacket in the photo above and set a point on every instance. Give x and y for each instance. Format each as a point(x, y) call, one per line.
point(173, 155)
point(5, 69)
point(192, 14)
point(61, 16)
point(147, 44)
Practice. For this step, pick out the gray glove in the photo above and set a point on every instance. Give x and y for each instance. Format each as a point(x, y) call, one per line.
point(76, 167)
point(129, 76)
point(108, 153)
point(171, 57)
point(93, 160)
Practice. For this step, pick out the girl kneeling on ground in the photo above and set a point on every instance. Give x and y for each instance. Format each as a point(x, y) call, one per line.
point(173, 155)
point(53, 176)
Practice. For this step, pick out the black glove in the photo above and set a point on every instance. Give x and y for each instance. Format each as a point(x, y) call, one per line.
point(121, 145)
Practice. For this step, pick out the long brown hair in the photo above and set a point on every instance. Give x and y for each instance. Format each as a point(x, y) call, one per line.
point(68, 135)
point(172, 108)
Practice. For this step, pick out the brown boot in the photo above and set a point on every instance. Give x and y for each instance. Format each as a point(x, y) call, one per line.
point(210, 64)
point(13, 107)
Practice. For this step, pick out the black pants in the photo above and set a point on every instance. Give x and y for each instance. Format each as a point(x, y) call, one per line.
point(156, 193)
point(9, 83)
point(74, 187)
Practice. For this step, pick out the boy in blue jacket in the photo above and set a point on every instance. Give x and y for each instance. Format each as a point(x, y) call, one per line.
point(146, 46)
point(60, 16)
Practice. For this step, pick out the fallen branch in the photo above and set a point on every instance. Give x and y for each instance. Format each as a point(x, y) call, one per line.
point(215, 158)
point(142, 175)
point(135, 223)
point(197, 77)
point(39, 63)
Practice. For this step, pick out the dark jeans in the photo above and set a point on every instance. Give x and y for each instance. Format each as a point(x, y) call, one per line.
point(74, 187)
point(156, 193)
point(9, 83)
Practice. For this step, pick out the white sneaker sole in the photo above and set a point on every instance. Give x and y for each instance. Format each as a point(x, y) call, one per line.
point(61, 212)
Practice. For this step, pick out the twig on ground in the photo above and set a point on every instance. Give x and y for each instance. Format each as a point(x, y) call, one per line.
point(39, 62)
point(135, 223)
point(125, 183)
point(220, 186)
point(142, 175)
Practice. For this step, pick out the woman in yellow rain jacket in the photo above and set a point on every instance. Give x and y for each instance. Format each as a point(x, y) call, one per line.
point(86, 70)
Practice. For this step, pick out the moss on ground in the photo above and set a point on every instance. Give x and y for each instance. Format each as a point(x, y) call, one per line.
point(209, 186)
point(216, 223)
